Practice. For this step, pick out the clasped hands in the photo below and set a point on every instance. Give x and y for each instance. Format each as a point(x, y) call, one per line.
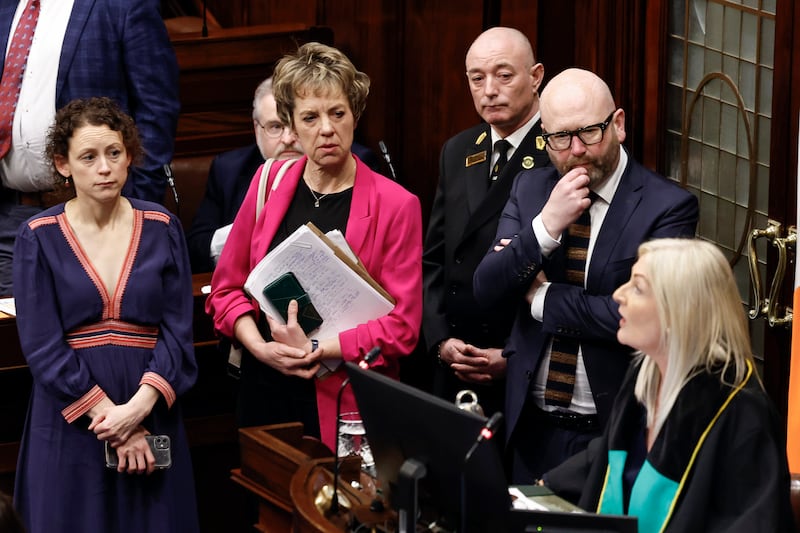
point(121, 426)
point(291, 350)
point(470, 363)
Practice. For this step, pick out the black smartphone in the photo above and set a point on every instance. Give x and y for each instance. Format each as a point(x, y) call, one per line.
point(160, 445)
point(287, 288)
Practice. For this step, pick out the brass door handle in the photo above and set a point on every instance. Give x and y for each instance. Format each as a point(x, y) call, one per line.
point(768, 307)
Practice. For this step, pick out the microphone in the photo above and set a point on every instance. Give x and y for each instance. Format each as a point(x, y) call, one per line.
point(388, 158)
point(487, 432)
point(171, 182)
point(365, 363)
point(204, 31)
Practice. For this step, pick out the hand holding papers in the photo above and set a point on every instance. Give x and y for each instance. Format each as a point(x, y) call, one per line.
point(341, 289)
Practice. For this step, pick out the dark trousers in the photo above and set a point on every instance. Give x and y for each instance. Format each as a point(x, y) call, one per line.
point(539, 444)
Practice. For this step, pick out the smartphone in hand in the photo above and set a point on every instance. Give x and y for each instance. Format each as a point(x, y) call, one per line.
point(160, 445)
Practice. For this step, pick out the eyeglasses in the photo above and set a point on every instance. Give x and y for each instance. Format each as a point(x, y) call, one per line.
point(271, 129)
point(593, 134)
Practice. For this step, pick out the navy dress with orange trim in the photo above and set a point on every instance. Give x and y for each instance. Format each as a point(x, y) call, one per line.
point(82, 343)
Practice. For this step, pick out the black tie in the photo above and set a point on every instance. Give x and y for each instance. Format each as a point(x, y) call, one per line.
point(501, 147)
point(564, 354)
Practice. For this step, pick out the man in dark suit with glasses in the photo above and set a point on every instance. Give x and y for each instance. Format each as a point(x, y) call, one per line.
point(567, 239)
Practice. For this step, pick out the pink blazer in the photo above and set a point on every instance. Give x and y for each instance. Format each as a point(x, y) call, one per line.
point(384, 229)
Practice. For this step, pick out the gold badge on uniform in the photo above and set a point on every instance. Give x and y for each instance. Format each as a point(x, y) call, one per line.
point(480, 138)
point(540, 144)
point(527, 162)
point(474, 159)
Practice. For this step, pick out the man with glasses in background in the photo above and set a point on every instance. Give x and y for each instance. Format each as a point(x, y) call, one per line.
point(231, 173)
point(566, 240)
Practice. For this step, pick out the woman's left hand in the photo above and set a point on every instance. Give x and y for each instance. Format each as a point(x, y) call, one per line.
point(135, 455)
point(291, 333)
point(116, 424)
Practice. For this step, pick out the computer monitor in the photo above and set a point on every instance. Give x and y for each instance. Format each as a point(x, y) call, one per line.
point(406, 423)
point(557, 522)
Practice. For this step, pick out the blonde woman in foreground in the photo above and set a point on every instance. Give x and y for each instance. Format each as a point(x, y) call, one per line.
point(693, 443)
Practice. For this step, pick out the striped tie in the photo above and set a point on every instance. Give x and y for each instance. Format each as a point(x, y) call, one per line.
point(564, 353)
point(13, 70)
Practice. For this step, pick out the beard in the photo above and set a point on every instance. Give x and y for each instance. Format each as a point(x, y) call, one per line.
point(598, 166)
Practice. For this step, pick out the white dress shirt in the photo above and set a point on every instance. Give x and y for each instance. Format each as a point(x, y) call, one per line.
point(25, 167)
point(582, 399)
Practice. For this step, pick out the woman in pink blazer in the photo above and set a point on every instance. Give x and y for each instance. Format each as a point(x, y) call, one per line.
point(321, 96)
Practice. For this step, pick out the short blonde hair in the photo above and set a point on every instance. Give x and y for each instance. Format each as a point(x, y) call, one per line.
point(317, 69)
point(703, 324)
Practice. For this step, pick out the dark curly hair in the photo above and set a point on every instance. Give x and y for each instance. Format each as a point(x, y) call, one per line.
point(95, 111)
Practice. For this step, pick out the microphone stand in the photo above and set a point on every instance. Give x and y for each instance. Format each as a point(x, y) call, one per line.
point(486, 433)
point(387, 158)
point(171, 183)
point(365, 364)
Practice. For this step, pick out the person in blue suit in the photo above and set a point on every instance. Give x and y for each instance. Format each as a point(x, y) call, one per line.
point(628, 204)
point(231, 173)
point(84, 48)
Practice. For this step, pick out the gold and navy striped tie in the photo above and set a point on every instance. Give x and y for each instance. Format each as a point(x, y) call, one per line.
point(564, 353)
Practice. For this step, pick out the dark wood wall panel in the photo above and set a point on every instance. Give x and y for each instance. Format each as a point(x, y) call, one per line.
point(437, 100)
point(371, 33)
point(413, 51)
point(231, 13)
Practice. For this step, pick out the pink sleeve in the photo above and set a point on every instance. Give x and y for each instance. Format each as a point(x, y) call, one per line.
point(227, 300)
point(396, 263)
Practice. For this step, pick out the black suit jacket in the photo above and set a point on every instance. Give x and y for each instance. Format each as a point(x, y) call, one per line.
point(462, 226)
point(646, 206)
point(228, 179)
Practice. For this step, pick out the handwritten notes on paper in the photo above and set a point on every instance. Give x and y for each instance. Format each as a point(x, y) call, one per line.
point(340, 294)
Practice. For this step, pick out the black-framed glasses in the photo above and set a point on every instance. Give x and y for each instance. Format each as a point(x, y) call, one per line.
point(592, 134)
point(272, 128)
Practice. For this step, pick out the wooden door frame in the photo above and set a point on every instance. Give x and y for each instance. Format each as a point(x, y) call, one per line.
point(783, 155)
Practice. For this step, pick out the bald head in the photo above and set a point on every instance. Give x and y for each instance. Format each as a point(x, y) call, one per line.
point(504, 79)
point(506, 39)
point(573, 100)
point(576, 95)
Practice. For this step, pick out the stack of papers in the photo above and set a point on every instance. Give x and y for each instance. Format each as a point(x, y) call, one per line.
point(339, 287)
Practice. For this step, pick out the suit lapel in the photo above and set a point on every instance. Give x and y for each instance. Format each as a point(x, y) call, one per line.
point(358, 223)
point(75, 28)
point(477, 158)
point(491, 203)
point(622, 208)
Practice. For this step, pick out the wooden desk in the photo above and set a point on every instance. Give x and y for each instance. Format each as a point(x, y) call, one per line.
point(286, 471)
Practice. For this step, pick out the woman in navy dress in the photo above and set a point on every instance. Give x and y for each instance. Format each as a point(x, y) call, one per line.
point(104, 311)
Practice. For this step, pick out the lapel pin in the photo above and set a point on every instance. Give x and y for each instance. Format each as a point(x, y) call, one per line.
point(528, 162)
point(474, 159)
point(480, 138)
point(540, 144)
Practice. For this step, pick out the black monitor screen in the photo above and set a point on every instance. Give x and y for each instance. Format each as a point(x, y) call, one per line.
point(406, 423)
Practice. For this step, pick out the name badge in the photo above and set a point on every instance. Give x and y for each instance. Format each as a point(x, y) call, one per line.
point(474, 159)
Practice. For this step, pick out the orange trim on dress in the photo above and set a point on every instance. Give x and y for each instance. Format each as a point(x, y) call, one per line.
point(161, 385)
point(44, 221)
point(81, 406)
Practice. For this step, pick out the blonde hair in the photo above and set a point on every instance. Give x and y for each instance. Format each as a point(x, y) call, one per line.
point(317, 69)
point(703, 326)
